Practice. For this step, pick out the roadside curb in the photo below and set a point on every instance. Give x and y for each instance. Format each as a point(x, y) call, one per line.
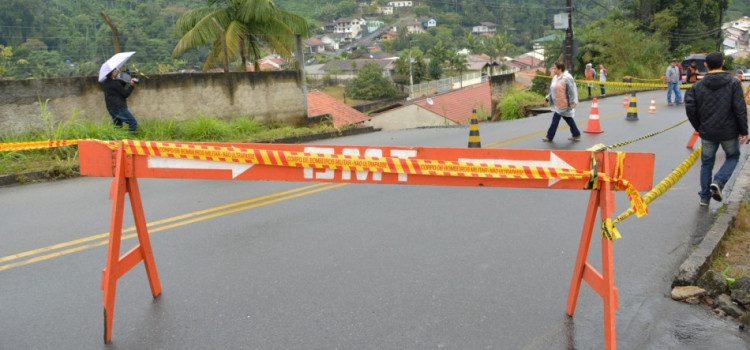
point(34, 176)
point(699, 259)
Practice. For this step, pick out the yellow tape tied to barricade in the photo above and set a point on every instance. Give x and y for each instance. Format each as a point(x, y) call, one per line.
point(24, 146)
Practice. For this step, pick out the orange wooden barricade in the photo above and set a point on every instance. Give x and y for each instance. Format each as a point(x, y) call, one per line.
point(128, 160)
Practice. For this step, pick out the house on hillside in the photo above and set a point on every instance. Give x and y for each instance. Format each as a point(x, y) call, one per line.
point(313, 45)
point(482, 63)
point(484, 28)
point(374, 25)
point(320, 105)
point(330, 41)
point(396, 4)
point(269, 63)
point(428, 22)
point(350, 27)
point(450, 108)
point(414, 27)
point(388, 35)
point(385, 10)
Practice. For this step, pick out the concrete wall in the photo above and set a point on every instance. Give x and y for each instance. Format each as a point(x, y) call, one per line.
point(411, 116)
point(263, 95)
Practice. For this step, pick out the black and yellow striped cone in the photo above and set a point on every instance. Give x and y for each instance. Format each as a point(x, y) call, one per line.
point(632, 109)
point(474, 131)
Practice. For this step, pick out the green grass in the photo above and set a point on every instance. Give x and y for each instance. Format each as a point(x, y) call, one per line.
point(60, 161)
point(515, 103)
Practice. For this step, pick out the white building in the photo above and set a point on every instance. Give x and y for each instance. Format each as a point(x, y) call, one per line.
point(350, 27)
point(385, 10)
point(400, 3)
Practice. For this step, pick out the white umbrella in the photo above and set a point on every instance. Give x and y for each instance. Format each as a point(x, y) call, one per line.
point(116, 61)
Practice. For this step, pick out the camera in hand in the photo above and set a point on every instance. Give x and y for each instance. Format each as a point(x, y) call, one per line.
point(126, 75)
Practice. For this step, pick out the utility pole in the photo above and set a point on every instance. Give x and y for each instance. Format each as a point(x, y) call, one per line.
point(569, 37)
point(411, 75)
point(720, 35)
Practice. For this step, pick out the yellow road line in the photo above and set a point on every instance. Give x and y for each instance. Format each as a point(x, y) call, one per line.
point(194, 217)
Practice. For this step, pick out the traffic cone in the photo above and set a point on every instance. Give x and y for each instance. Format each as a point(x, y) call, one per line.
point(474, 141)
point(626, 103)
point(593, 126)
point(692, 140)
point(632, 109)
point(652, 108)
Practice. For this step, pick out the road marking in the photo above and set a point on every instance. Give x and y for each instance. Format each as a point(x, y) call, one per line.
point(176, 222)
point(178, 163)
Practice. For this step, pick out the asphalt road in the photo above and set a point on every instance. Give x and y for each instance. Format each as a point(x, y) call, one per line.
point(283, 265)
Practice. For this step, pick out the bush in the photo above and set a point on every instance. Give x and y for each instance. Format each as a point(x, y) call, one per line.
point(516, 102)
point(540, 84)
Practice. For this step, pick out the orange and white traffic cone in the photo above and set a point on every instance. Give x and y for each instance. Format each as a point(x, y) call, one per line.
point(626, 104)
point(593, 126)
point(652, 108)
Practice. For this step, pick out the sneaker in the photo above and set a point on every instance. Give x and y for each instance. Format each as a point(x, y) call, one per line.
point(716, 192)
point(575, 138)
point(546, 139)
point(679, 103)
point(670, 104)
point(704, 202)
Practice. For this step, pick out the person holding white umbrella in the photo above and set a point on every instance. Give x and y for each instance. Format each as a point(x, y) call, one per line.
point(117, 90)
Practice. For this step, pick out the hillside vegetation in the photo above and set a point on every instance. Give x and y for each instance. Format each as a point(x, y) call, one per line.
point(58, 38)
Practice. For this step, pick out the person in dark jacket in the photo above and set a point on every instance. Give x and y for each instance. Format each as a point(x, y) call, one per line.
point(116, 93)
point(716, 108)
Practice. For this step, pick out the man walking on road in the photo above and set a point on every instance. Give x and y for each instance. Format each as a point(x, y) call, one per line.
point(673, 83)
point(716, 108)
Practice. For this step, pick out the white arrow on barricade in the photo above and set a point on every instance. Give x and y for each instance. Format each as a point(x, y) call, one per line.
point(178, 163)
point(553, 162)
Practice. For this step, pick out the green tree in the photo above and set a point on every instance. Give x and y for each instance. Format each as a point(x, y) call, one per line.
point(434, 69)
point(370, 84)
point(6, 54)
point(249, 25)
point(417, 71)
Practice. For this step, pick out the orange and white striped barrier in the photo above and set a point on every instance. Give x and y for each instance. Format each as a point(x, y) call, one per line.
point(601, 171)
point(626, 103)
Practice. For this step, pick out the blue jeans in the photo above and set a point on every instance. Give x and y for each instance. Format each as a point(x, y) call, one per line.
point(676, 88)
point(123, 115)
point(708, 158)
point(556, 121)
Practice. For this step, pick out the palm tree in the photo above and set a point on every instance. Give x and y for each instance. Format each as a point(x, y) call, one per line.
point(248, 25)
point(459, 62)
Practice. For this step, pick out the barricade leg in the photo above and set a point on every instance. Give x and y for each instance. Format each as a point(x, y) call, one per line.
point(116, 265)
point(603, 283)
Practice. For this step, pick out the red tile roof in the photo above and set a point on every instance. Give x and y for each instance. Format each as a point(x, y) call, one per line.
point(457, 105)
point(319, 103)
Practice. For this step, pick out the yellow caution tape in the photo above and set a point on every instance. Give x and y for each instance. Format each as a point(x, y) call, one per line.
point(618, 145)
point(349, 162)
point(23, 146)
point(665, 184)
point(643, 86)
point(609, 231)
